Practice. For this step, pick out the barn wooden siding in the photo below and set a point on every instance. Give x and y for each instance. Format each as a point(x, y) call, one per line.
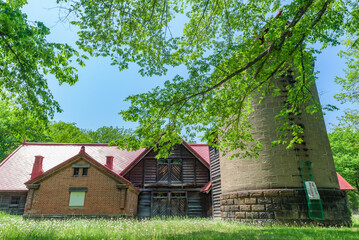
point(216, 182)
point(194, 176)
point(13, 202)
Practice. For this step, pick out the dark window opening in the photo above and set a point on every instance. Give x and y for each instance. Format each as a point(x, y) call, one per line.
point(178, 194)
point(176, 161)
point(76, 172)
point(160, 194)
point(84, 171)
point(162, 161)
point(15, 200)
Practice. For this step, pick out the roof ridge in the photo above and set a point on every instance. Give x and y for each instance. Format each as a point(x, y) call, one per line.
point(69, 144)
point(88, 144)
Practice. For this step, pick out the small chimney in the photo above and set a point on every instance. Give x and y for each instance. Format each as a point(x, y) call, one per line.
point(109, 162)
point(82, 150)
point(37, 167)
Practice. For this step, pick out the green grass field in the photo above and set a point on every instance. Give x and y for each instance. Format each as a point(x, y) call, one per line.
point(15, 227)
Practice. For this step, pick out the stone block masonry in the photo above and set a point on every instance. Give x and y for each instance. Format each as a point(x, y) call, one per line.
point(284, 206)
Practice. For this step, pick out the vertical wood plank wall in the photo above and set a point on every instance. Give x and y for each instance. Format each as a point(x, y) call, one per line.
point(194, 176)
point(216, 182)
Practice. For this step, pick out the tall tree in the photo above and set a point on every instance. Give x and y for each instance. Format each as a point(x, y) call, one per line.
point(15, 125)
point(232, 50)
point(61, 132)
point(350, 85)
point(27, 58)
point(107, 134)
point(344, 143)
point(344, 139)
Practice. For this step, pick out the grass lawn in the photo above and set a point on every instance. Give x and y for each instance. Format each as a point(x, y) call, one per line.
point(15, 227)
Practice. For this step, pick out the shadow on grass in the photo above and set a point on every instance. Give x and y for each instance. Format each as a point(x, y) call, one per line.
point(290, 233)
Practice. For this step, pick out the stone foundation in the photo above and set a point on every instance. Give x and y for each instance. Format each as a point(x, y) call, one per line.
point(288, 206)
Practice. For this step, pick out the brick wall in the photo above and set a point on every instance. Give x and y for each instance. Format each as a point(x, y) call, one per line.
point(103, 196)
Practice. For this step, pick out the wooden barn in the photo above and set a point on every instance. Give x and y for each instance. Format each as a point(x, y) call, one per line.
point(175, 186)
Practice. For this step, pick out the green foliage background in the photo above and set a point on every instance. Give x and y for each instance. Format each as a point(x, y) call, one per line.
point(15, 124)
point(345, 147)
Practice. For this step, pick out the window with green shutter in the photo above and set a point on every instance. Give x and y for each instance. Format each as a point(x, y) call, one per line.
point(77, 199)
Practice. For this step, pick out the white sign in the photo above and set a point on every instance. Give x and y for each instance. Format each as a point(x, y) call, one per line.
point(312, 190)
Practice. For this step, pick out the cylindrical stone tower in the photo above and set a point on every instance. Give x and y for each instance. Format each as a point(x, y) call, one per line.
point(270, 188)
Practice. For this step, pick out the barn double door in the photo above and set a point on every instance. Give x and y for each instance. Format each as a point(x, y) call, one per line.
point(169, 204)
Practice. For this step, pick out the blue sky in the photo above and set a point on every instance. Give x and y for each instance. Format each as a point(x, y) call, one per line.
point(97, 98)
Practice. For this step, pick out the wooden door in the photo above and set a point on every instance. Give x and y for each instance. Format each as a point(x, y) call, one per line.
point(160, 202)
point(178, 204)
point(169, 204)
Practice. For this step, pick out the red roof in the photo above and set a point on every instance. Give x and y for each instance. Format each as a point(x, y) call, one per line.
point(201, 150)
point(206, 187)
point(343, 184)
point(86, 156)
point(16, 169)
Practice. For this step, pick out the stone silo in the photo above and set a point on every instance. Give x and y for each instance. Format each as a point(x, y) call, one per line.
point(270, 188)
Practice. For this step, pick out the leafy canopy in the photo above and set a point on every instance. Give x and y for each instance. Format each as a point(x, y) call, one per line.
point(350, 85)
point(26, 60)
point(15, 124)
point(107, 134)
point(232, 50)
point(344, 143)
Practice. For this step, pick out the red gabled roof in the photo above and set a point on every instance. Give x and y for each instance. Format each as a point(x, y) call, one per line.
point(86, 156)
point(343, 184)
point(201, 150)
point(16, 169)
